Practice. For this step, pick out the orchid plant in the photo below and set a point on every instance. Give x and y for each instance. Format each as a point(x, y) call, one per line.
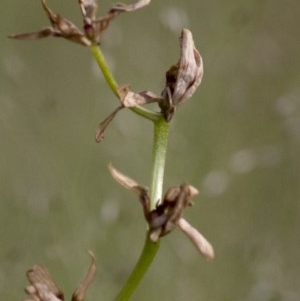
point(163, 213)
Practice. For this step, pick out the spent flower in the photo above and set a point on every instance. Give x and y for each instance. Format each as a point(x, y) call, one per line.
point(92, 27)
point(183, 78)
point(60, 27)
point(182, 81)
point(167, 214)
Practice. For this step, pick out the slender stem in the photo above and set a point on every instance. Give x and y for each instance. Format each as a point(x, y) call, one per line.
point(149, 251)
point(161, 131)
point(160, 144)
point(148, 114)
point(99, 57)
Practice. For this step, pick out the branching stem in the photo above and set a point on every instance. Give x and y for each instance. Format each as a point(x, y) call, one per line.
point(98, 56)
point(160, 142)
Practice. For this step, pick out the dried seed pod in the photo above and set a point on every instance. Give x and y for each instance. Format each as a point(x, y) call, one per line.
point(183, 78)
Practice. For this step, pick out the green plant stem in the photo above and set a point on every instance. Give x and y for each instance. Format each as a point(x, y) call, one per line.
point(161, 131)
point(149, 251)
point(160, 143)
point(98, 56)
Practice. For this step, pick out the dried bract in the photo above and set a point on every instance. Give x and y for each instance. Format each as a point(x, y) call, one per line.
point(183, 78)
point(94, 27)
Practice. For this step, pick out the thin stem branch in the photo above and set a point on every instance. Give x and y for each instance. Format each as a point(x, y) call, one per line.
point(160, 142)
point(99, 57)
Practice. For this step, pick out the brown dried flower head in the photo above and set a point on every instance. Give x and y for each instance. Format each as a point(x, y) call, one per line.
point(60, 27)
point(92, 27)
point(43, 288)
point(182, 81)
point(183, 78)
point(168, 213)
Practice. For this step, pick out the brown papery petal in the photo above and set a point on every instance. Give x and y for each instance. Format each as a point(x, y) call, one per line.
point(200, 242)
point(43, 286)
point(44, 33)
point(123, 180)
point(183, 78)
point(132, 99)
point(80, 292)
point(190, 69)
point(131, 7)
point(89, 8)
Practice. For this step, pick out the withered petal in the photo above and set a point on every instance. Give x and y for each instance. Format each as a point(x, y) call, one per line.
point(80, 291)
point(104, 124)
point(43, 33)
point(89, 8)
point(183, 78)
point(125, 181)
point(131, 7)
point(133, 99)
point(190, 69)
point(199, 241)
point(63, 27)
point(132, 185)
point(50, 14)
point(44, 285)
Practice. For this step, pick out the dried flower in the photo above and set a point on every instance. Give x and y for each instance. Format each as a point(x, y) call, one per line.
point(168, 213)
point(128, 99)
point(60, 27)
point(43, 288)
point(92, 27)
point(183, 78)
point(182, 81)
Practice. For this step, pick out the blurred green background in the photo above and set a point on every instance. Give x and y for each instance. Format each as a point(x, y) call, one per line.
point(237, 140)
